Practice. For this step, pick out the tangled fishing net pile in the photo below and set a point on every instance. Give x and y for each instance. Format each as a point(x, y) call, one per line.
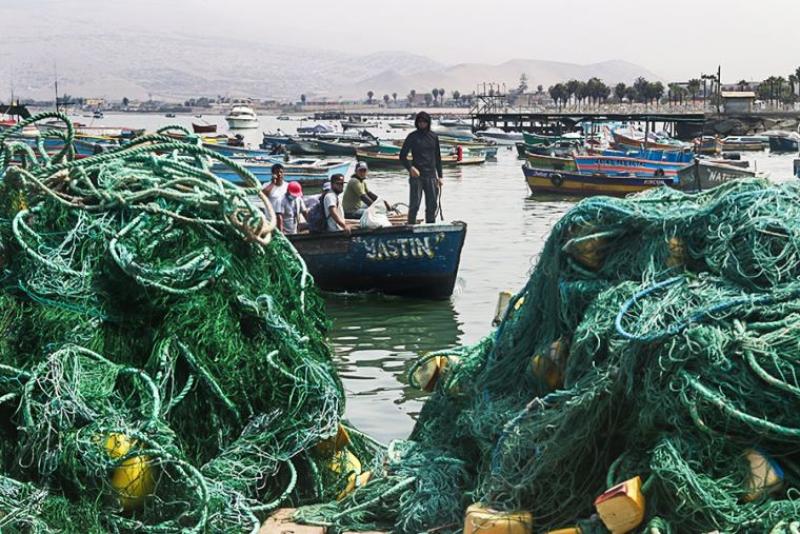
point(162, 358)
point(659, 337)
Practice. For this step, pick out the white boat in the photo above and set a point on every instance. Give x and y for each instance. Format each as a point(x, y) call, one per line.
point(502, 138)
point(242, 117)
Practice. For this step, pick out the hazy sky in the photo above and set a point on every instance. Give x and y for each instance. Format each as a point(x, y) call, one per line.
point(676, 39)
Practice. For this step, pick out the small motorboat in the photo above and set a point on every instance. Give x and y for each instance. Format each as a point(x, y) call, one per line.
point(204, 128)
point(242, 117)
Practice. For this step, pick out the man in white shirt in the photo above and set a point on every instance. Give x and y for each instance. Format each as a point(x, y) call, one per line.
point(276, 189)
point(334, 216)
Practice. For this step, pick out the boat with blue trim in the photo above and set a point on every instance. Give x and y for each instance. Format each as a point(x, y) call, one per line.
point(308, 172)
point(574, 183)
point(408, 260)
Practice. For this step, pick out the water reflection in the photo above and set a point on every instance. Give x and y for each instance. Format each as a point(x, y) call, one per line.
point(375, 339)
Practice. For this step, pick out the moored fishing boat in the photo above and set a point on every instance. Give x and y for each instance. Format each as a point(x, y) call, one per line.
point(242, 117)
point(500, 137)
point(745, 143)
point(705, 174)
point(379, 159)
point(583, 185)
point(204, 128)
point(238, 151)
point(339, 147)
point(628, 138)
point(709, 145)
point(308, 172)
point(783, 141)
point(408, 260)
point(645, 164)
point(538, 161)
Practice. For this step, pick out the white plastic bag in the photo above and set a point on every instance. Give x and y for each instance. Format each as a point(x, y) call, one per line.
point(375, 216)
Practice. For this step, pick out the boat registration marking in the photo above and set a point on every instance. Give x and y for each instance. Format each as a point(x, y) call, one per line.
point(402, 247)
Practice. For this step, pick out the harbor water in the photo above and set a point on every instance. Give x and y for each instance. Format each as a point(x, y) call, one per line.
point(375, 338)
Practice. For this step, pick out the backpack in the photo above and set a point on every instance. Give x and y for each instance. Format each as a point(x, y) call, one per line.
point(317, 222)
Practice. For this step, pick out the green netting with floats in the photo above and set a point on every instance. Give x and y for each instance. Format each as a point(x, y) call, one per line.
point(163, 365)
point(657, 337)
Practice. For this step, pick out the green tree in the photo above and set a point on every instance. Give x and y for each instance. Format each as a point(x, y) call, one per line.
point(394, 97)
point(441, 95)
point(456, 95)
point(694, 86)
point(435, 94)
point(641, 86)
point(742, 85)
point(619, 91)
point(303, 98)
point(428, 99)
point(539, 89)
point(523, 83)
point(125, 101)
point(370, 94)
point(572, 88)
point(386, 99)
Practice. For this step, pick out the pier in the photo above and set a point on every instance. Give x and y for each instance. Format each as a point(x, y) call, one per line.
point(681, 125)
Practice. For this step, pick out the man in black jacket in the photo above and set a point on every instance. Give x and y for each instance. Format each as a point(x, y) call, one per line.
point(425, 168)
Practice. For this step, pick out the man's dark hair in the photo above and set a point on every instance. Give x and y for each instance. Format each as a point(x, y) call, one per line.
point(337, 177)
point(277, 167)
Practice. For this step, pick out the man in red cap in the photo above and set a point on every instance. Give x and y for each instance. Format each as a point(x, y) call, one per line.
point(290, 208)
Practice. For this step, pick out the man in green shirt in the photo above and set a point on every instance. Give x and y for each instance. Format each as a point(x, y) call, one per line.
point(357, 196)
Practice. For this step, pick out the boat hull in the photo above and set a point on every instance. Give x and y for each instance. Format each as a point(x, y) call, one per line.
point(411, 261)
point(783, 144)
point(241, 124)
point(204, 128)
point(585, 185)
point(305, 174)
point(707, 175)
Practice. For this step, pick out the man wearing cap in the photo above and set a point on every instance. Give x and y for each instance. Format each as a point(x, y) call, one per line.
point(334, 218)
point(425, 171)
point(290, 208)
point(357, 196)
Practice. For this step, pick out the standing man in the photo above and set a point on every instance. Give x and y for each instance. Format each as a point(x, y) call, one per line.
point(425, 169)
point(276, 189)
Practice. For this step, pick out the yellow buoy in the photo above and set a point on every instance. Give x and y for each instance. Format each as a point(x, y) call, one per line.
point(570, 530)
point(345, 462)
point(333, 444)
point(766, 476)
point(621, 508)
point(677, 252)
point(133, 479)
point(429, 373)
point(549, 368)
point(480, 519)
point(587, 248)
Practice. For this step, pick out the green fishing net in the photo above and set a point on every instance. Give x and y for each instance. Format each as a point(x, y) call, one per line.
point(163, 365)
point(658, 336)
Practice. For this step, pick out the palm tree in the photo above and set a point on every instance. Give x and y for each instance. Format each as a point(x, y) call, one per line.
point(694, 86)
point(441, 95)
point(619, 91)
point(386, 99)
point(394, 97)
point(456, 95)
point(572, 88)
point(303, 98)
point(742, 85)
point(435, 94)
point(370, 94)
point(641, 86)
point(428, 99)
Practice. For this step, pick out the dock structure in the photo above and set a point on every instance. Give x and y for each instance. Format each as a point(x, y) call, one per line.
point(681, 125)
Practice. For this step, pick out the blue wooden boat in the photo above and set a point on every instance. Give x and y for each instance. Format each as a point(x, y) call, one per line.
point(784, 142)
point(238, 151)
point(583, 185)
point(410, 260)
point(308, 172)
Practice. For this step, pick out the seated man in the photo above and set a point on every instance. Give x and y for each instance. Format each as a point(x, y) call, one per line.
point(334, 217)
point(357, 196)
